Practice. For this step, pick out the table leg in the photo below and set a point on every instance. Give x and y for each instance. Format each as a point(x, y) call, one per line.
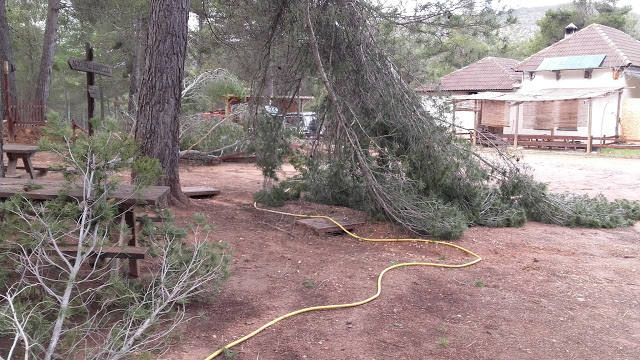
point(26, 160)
point(130, 219)
point(11, 166)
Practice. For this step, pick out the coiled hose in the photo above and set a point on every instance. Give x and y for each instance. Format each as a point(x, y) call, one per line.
point(477, 258)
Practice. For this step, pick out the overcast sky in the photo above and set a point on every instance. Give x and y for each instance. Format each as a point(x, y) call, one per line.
point(522, 3)
point(528, 3)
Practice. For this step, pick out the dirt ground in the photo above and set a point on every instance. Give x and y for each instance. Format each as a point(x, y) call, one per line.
point(616, 178)
point(541, 291)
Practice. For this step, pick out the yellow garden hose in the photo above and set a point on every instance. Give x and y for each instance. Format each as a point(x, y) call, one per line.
point(361, 302)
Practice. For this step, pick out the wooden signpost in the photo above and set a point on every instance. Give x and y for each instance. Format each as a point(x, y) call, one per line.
point(91, 68)
point(6, 67)
point(94, 91)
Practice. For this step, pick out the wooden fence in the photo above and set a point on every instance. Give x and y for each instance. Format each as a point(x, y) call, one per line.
point(27, 113)
point(24, 114)
point(565, 142)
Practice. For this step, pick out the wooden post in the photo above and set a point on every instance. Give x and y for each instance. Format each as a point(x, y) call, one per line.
point(453, 117)
point(101, 104)
point(91, 103)
point(7, 102)
point(618, 115)
point(515, 126)
point(589, 136)
point(474, 138)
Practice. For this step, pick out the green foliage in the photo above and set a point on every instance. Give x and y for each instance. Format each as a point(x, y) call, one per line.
point(225, 134)
point(385, 153)
point(270, 140)
point(107, 152)
point(309, 284)
point(621, 152)
point(103, 305)
point(229, 354)
point(336, 185)
point(222, 87)
point(32, 186)
point(279, 194)
point(463, 36)
point(581, 13)
point(569, 209)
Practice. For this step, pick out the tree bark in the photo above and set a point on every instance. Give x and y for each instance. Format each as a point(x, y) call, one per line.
point(6, 53)
point(157, 124)
point(48, 53)
point(136, 63)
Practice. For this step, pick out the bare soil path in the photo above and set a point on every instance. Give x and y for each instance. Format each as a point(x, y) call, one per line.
point(541, 292)
point(613, 177)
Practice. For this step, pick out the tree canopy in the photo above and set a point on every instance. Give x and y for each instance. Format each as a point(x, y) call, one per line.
point(581, 13)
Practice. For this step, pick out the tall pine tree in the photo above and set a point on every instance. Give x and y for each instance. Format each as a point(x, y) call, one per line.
point(158, 113)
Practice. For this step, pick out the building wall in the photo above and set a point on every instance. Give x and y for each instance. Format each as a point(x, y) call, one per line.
point(604, 110)
point(572, 79)
point(604, 113)
point(464, 120)
point(440, 107)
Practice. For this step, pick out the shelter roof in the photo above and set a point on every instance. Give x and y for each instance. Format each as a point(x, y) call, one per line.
point(542, 94)
point(619, 48)
point(490, 73)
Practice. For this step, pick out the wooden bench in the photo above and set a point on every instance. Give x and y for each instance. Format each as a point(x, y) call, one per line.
point(123, 252)
point(19, 151)
point(200, 191)
point(123, 195)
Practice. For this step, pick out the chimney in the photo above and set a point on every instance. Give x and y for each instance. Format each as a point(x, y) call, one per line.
point(570, 30)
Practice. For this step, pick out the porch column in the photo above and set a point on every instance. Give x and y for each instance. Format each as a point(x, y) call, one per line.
point(453, 118)
point(515, 126)
point(474, 137)
point(589, 136)
point(618, 115)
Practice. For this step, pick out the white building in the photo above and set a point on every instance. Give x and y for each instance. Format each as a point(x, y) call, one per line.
point(491, 74)
point(585, 85)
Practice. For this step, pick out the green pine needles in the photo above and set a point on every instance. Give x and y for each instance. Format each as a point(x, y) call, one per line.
point(55, 303)
point(382, 151)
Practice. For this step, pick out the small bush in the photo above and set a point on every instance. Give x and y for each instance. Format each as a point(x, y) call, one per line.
point(337, 185)
point(279, 194)
point(570, 209)
point(225, 134)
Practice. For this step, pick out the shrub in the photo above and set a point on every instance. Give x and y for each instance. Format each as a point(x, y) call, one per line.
point(225, 134)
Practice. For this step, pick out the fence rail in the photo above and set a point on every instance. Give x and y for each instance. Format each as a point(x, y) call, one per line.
point(547, 141)
point(27, 113)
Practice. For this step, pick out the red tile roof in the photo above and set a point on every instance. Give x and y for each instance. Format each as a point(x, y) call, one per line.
point(490, 73)
point(620, 48)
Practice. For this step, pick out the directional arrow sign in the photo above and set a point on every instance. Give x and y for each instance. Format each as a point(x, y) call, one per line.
point(89, 66)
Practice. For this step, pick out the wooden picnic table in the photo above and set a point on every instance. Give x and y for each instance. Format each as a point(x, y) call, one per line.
point(19, 151)
point(123, 195)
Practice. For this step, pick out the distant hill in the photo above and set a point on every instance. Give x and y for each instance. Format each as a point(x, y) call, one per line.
point(527, 17)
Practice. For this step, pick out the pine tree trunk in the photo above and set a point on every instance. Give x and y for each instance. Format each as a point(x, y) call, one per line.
point(157, 124)
point(48, 53)
point(6, 53)
point(136, 63)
